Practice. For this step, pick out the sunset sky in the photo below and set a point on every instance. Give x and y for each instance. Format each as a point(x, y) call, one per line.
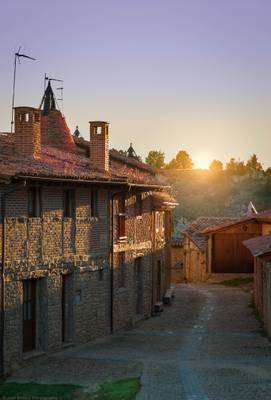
point(169, 75)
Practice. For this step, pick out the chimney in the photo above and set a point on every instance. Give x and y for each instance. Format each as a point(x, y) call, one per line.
point(27, 132)
point(99, 145)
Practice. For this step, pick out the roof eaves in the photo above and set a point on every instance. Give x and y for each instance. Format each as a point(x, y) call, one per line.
point(200, 247)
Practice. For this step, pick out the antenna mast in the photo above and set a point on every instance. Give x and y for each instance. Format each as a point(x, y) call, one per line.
point(48, 79)
point(61, 97)
point(17, 57)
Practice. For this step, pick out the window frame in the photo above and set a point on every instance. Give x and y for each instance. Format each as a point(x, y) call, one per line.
point(139, 205)
point(94, 203)
point(69, 203)
point(121, 219)
point(34, 202)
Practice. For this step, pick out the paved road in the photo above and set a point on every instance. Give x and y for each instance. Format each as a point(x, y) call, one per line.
point(206, 346)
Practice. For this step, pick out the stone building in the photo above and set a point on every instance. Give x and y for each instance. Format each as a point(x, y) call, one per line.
point(225, 243)
point(85, 236)
point(214, 245)
point(195, 248)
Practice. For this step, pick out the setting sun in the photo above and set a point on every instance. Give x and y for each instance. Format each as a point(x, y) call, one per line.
point(202, 159)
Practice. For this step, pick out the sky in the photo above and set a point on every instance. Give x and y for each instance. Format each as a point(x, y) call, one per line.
point(171, 75)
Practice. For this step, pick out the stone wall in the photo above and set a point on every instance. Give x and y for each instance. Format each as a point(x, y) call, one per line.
point(52, 250)
point(177, 264)
point(195, 262)
point(45, 249)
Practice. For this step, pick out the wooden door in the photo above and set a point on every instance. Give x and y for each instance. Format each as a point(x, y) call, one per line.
point(29, 315)
point(139, 285)
point(230, 254)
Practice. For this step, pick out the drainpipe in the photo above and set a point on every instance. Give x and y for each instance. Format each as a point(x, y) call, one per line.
point(3, 256)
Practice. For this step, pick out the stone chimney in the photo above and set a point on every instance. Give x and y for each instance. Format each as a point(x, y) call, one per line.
point(27, 136)
point(99, 145)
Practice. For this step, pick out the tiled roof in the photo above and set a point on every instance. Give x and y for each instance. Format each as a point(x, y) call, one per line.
point(261, 216)
point(56, 163)
point(116, 155)
point(163, 201)
point(194, 230)
point(259, 246)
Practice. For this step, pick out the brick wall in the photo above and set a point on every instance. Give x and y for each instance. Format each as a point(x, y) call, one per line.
point(99, 145)
point(51, 246)
point(27, 132)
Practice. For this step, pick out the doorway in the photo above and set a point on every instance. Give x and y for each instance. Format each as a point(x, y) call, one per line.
point(158, 280)
point(66, 305)
point(139, 285)
point(29, 315)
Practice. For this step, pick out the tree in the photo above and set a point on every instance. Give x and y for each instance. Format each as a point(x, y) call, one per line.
point(231, 166)
point(181, 161)
point(236, 167)
point(216, 166)
point(253, 163)
point(156, 159)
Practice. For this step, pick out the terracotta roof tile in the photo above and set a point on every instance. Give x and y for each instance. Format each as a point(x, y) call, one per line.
point(259, 246)
point(58, 163)
point(194, 230)
point(263, 215)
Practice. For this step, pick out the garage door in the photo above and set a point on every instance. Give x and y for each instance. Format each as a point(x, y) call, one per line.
point(230, 255)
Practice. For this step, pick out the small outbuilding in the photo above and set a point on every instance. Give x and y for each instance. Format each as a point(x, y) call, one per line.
point(196, 255)
point(227, 253)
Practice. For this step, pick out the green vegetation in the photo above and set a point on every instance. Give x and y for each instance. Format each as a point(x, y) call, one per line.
point(237, 282)
point(124, 389)
point(216, 166)
point(29, 390)
point(156, 159)
point(208, 193)
point(181, 161)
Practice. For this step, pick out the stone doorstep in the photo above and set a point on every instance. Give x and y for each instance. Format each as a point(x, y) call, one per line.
point(33, 354)
point(67, 345)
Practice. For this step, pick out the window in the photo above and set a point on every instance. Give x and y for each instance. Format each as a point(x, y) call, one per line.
point(121, 269)
point(34, 202)
point(94, 203)
point(24, 117)
point(138, 204)
point(69, 203)
point(121, 218)
point(159, 222)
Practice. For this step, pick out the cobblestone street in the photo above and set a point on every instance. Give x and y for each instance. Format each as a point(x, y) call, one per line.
point(207, 346)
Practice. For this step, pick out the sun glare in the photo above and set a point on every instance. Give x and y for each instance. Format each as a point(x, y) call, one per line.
point(202, 160)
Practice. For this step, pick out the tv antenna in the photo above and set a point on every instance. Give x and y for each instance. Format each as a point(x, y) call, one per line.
point(61, 97)
point(17, 57)
point(48, 79)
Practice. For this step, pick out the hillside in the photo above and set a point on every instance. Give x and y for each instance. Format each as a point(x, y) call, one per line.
point(204, 193)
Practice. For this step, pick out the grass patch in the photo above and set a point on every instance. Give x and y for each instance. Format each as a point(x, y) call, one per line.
point(29, 390)
point(123, 389)
point(237, 282)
